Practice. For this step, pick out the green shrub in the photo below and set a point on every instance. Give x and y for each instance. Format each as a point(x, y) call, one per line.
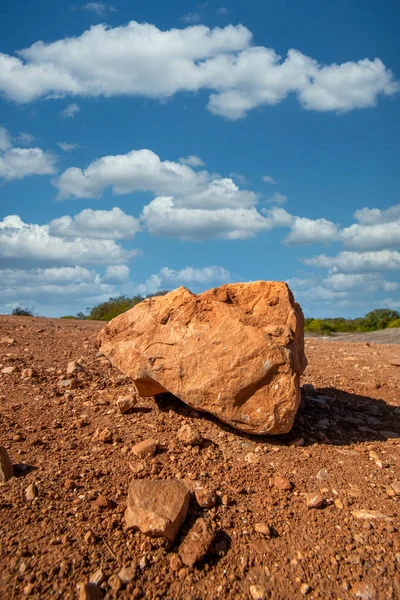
point(68, 317)
point(115, 306)
point(395, 323)
point(22, 312)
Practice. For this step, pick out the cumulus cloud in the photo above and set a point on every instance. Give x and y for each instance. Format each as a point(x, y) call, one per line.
point(100, 8)
point(311, 231)
point(117, 274)
point(276, 198)
point(376, 216)
point(191, 18)
point(16, 163)
point(269, 179)
point(357, 262)
point(70, 110)
point(142, 60)
point(67, 147)
point(112, 224)
point(192, 161)
point(22, 243)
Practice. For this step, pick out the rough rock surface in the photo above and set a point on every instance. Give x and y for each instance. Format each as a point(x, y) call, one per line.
point(236, 351)
point(158, 508)
point(197, 542)
point(6, 468)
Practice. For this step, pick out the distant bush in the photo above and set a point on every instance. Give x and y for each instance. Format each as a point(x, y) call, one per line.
point(18, 311)
point(374, 320)
point(395, 323)
point(115, 306)
point(69, 317)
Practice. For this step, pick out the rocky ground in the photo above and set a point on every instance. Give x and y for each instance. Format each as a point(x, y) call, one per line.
point(311, 514)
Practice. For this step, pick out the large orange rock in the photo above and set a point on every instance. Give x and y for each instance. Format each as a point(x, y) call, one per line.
point(236, 351)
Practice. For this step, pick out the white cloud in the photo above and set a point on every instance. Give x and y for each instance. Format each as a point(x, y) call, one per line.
point(371, 237)
point(22, 243)
point(16, 163)
point(117, 274)
point(357, 262)
point(112, 224)
point(362, 282)
point(277, 198)
point(191, 18)
point(67, 147)
point(391, 303)
point(25, 139)
point(70, 110)
point(192, 275)
point(376, 216)
point(141, 60)
point(100, 8)
point(269, 179)
point(222, 11)
point(311, 231)
point(192, 161)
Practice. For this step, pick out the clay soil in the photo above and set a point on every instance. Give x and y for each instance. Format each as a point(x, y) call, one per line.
point(347, 449)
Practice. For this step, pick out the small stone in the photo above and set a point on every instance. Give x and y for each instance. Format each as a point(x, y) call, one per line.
point(125, 404)
point(157, 507)
point(396, 487)
point(190, 436)
point(90, 591)
point(105, 435)
point(314, 500)
point(305, 589)
point(6, 468)
point(97, 577)
point(126, 574)
point(322, 475)
point(197, 542)
point(257, 592)
point(338, 503)
point(145, 448)
point(8, 341)
point(225, 500)
point(263, 528)
point(27, 373)
point(369, 514)
point(73, 367)
point(31, 492)
point(205, 497)
point(395, 362)
point(175, 562)
point(282, 483)
point(8, 370)
point(114, 582)
point(364, 590)
point(143, 562)
point(90, 537)
point(103, 502)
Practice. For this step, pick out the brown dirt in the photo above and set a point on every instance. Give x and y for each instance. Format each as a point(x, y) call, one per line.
point(82, 483)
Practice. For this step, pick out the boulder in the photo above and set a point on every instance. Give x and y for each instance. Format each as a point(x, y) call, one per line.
point(236, 351)
point(157, 507)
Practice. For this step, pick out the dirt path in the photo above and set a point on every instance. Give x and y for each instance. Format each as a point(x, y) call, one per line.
point(348, 424)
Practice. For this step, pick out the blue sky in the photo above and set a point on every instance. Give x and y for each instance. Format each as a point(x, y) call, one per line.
point(149, 145)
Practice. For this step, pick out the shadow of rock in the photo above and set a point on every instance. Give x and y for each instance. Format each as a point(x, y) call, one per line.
point(22, 469)
point(325, 416)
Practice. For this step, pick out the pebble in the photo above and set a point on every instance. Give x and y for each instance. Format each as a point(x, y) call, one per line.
point(126, 574)
point(145, 448)
point(6, 468)
point(73, 367)
point(8, 341)
point(314, 500)
point(126, 403)
point(197, 542)
point(205, 497)
point(257, 592)
point(31, 492)
point(175, 562)
point(364, 590)
point(322, 475)
point(97, 577)
point(282, 483)
point(396, 487)
point(90, 537)
point(305, 589)
point(114, 582)
point(8, 370)
point(190, 436)
point(263, 528)
point(89, 591)
point(105, 435)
